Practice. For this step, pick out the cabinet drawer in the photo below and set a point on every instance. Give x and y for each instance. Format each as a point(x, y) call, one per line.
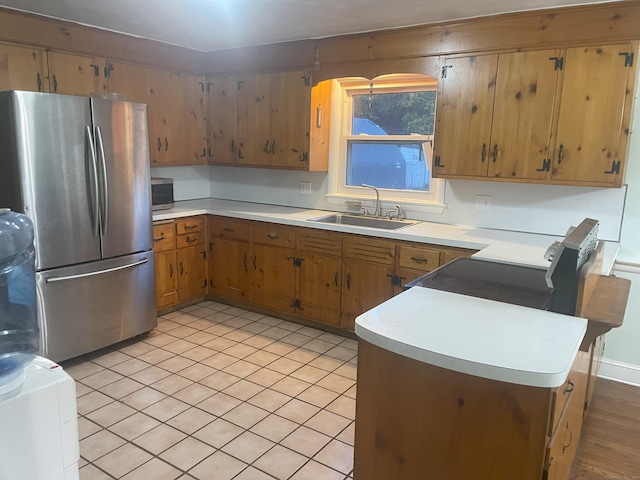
point(163, 236)
point(327, 243)
point(228, 228)
point(370, 250)
point(190, 239)
point(190, 225)
point(273, 234)
point(419, 258)
point(447, 255)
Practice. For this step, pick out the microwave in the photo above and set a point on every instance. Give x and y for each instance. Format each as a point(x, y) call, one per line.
point(161, 193)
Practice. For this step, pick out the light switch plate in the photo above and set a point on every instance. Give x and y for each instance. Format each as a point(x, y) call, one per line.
point(305, 188)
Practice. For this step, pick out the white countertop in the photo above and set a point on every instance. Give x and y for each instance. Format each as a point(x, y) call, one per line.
point(478, 337)
point(495, 245)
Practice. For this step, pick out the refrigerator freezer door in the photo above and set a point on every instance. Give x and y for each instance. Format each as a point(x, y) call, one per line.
point(56, 175)
point(122, 149)
point(86, 307)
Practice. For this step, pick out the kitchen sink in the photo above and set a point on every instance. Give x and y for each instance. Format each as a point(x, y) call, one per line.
point(364, 221)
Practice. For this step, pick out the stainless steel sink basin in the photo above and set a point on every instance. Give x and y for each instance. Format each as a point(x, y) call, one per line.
point(363, 221)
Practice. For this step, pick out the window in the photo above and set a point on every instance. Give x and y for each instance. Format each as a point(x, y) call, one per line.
point(385, 139)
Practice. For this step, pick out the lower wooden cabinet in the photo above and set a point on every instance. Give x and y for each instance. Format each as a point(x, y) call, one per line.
point(180, 260)
point(164, 246)
point(319, 275)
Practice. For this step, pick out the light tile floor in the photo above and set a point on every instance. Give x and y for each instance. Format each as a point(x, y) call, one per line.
point(216, 393)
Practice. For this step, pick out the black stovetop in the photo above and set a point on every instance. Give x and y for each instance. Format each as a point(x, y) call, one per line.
point(501, 282)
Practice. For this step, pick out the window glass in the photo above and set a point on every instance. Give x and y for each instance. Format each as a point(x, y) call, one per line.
point(394, 113)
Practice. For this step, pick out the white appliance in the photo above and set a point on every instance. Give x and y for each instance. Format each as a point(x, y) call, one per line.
point(39, 426)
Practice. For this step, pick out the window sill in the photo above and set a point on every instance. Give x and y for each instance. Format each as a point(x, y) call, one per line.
point(388, 203)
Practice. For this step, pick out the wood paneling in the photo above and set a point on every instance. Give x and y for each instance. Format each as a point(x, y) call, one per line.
point(55, 34)
point(610, 22)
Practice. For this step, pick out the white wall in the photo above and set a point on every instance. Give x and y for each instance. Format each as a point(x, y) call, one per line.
point(521, 207)
point(189, 183)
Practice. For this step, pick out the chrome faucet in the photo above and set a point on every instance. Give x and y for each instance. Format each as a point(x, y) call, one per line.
point(378, 211)
point(399, 213)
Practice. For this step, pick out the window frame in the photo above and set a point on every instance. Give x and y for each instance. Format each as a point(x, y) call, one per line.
point(342, 107)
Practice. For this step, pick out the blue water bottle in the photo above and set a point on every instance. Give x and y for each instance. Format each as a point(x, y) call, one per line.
point(19, 334)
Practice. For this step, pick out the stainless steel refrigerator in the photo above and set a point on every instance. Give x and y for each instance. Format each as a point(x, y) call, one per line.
point(79, 168)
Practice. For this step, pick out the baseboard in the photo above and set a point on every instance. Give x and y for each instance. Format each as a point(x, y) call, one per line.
point(620, 372)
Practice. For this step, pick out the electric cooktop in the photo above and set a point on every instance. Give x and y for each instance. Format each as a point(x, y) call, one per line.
point(501, 282)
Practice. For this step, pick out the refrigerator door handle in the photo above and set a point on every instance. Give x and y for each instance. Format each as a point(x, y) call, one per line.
point(99, 272)
point(105, 184)
point(94, 180)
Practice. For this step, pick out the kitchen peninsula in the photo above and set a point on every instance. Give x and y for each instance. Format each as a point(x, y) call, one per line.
point(479, 390)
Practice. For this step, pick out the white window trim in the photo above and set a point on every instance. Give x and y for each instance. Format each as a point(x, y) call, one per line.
point(338, 192)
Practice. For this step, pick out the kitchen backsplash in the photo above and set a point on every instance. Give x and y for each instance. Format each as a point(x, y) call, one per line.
point(545, 209)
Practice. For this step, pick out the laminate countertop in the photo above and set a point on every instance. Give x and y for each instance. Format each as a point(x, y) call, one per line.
point(479, 337)
point(502, 246)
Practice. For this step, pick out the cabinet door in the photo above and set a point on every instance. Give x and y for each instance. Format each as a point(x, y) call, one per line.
point(463, 116)
point(166, 275)
point(131, 81)
point(290, 100)
point(273, 278)
point(22, 69)
point(590, 122)
point(319, 287)
point(184, 119)
point(229, 262)
point(192, 276)
point(364, 286)
point(254, 119)
point(76, 74)
point(161, 105)
point(221, 120)
point(522, 115)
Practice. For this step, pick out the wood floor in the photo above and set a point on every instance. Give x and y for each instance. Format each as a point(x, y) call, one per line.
point(610, 443)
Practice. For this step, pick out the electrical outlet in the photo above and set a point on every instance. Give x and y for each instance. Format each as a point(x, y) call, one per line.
point(483, 202)
point(305, 188)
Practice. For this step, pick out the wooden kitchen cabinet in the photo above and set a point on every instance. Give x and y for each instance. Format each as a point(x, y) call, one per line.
point(274, 266)
point(368, 274)
point(264, 120)
point(164, 245)
point(229, 258)
point(594, 114)
point(556, 116)
point(319, 281)
point(495, 115)
point(72, 74)
point(191, 255)
point(463, 116)
point(222, 120)
point(23, 68)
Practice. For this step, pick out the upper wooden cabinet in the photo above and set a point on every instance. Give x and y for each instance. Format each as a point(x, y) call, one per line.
point(548, 116)
point(76, 74)
point(594, 114)
point(23, 69)
point(264, 120)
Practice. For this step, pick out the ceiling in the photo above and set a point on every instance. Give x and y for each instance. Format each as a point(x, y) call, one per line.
point(209, 25)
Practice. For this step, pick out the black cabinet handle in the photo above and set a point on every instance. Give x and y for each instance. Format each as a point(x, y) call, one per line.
point(348, 281)
point(158, 239)
point(483, 155)
point(494, 155)
point(170, 271)
point(273, 147)
point(560, 153)
point(266, 147)
point(233, 146)
point(210, 155)
point(39, 82)
point(569, 388)
point(159, 144)
point(181, 268)
point(55, 84)
point(419, 260)
point(335, 278)
point(166, 144)
point(244, 262)
point(273, 235)
point(204, 152)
